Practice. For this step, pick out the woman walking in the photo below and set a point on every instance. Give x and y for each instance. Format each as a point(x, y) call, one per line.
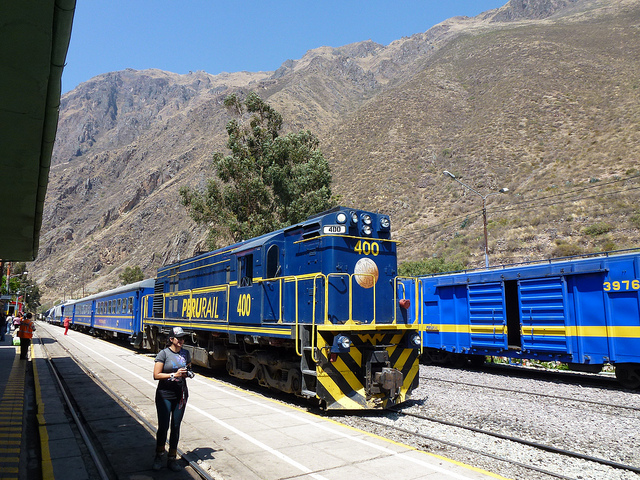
point(171, 368)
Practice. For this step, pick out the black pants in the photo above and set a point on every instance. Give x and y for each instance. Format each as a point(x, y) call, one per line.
point(170, 412)
point(25, 343)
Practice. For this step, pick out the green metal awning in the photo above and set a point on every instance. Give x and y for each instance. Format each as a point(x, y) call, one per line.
point(34, 39)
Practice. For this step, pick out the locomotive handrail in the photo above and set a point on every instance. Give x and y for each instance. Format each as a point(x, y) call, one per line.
point(351, 276)
point(416, 281)
point(296, 279)
point(313, 314)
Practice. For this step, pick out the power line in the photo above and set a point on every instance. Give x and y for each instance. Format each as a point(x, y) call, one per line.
point(529, 204)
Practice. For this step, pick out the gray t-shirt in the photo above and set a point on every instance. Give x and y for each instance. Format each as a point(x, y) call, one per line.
point(173, 388)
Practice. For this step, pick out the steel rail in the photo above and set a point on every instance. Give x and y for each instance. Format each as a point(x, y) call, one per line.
point(147, 425)
point(83, 433)
point(540, 446)
point(546, 395)
point(473, 450)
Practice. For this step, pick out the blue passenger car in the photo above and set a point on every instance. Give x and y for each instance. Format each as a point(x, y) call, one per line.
point(312, 309)
point(58, 312)
point(584, 312)
point(83, 314)
point(117, 312)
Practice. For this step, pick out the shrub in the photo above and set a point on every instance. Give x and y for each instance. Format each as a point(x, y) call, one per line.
point(563, 249)
point(608, 245)
point(597, 229)
point(428, 266)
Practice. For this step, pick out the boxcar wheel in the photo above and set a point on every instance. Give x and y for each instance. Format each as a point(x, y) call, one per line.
point(477, 361)
point(628, 375)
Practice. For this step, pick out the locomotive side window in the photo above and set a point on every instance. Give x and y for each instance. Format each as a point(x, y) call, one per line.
point(245, 270)
point(273, 261)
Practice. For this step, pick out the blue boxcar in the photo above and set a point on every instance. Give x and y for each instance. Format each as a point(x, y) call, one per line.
point(311, 309)
point(584, 312)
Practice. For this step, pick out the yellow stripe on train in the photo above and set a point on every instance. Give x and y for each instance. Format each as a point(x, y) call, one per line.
point(541, 330)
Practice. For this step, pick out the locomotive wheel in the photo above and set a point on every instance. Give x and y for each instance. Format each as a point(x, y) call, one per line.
point(628, 375)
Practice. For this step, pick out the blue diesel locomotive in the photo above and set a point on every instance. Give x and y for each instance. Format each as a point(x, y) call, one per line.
point(315, 309)
point(584, 312)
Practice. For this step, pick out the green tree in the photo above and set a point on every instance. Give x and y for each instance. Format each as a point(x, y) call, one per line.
point(131, 275)
point(22, 287)
point(268, 181)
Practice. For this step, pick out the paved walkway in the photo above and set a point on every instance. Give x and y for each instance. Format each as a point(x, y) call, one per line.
point(36, 440)
point(12, 381)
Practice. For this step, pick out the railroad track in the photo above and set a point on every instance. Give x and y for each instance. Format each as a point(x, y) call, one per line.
point(534, 393)
point(100, 459)
point(602, 380)
point(536, 445)
point(539, 453)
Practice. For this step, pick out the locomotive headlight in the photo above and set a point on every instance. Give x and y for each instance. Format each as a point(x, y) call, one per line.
point(341, 343)
point(385, 223)
point(341, 217)
point(366, 219)
point(366, 230)
point(413, 340)
point(354, 217)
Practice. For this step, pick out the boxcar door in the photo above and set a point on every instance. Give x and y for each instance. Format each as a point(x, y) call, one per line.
point(487, 319)
point(543, 314)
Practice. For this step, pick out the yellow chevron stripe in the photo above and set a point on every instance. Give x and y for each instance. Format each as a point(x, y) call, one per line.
point(404, 357)
point(336, 393)
point(349, 376)
point(382, 327)
point(356, 354)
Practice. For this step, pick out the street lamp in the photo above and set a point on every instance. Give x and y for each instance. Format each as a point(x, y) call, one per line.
point(484, 211)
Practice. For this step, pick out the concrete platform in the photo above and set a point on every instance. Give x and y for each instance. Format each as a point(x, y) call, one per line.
point(232, 432)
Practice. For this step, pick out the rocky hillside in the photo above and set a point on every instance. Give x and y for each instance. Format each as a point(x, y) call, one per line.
point(540, 96)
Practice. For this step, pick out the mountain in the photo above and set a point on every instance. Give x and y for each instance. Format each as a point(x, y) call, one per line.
point(540, 96)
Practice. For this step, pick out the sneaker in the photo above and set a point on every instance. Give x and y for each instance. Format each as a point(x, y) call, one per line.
point(173, 465)
point(158, 461)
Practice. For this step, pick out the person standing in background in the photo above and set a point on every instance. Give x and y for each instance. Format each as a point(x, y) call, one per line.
point(3, 323)
point(67, 322)
point(25, 333)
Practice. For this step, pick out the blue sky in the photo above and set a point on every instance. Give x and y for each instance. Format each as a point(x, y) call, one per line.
point(188, 35)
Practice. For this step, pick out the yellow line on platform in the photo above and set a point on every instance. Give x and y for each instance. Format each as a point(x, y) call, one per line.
point(45, 454)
